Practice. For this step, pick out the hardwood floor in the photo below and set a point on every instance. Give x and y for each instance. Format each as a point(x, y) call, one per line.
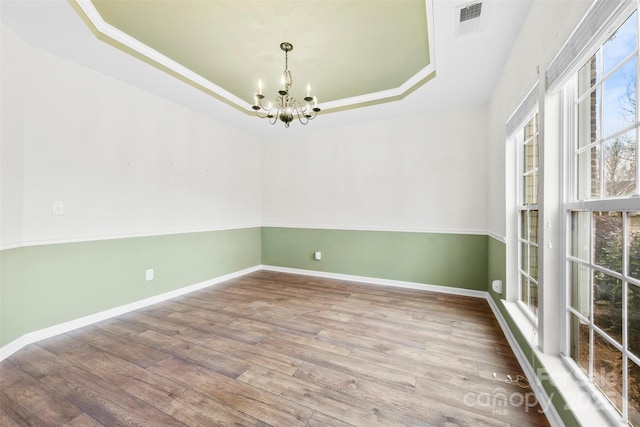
point(276, 349)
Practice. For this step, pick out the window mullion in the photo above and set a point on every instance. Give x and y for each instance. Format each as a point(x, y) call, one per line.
point(625, 317)
point(600, 136)
point(637, 112)
point(609, 204)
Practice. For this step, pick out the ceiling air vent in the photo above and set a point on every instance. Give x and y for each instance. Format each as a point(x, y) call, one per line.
point(468, 18)
point(471, 11)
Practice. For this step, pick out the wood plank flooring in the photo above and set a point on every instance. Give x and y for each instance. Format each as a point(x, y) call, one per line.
point(276, 349)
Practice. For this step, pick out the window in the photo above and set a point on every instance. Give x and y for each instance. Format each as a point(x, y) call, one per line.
point(603, 233)
point(528, 216)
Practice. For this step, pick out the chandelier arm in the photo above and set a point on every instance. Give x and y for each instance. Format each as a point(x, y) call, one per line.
point(274, 117)
point(264, 115)
point(303, 121)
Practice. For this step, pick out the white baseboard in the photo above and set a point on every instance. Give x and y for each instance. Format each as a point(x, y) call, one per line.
point(62, 328)
point(376, 281)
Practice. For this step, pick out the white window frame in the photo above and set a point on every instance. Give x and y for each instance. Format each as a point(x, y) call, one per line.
point(523, 207)
point(615, 204)
point(526, 320)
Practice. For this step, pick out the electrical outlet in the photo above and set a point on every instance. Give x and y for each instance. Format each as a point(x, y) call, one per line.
point(148, 274)
point(317, 255)
point(496, 286)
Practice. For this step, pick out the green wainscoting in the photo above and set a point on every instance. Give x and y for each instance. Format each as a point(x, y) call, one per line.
point(497, 263)
point(457, 260)
point(498, 270)
point(43, 286)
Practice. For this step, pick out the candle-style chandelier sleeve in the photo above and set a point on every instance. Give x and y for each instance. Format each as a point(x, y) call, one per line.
point(285, 107)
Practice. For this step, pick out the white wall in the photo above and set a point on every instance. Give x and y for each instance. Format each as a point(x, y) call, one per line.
point(422, 172)
point(123, 161)
point(547, 27)
point(11, 140)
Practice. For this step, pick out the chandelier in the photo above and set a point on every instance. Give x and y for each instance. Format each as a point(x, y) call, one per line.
point(286, 107)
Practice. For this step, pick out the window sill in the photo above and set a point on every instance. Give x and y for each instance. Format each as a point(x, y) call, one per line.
point(588, 406)
point(525, 322)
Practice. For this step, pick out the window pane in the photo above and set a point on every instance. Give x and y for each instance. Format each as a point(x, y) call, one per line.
point(607, 304)
point(529, 161)
point(580, 285)
point(589, 119)
point(580, 235)
point(633, 236)
point(533, 297)
point(533, 262)
point(579, 342)
point(607, 235)
point(618, 99)
point(621, 44)
point(619, 161)
point(531, 128)
point(589, 74)
point(530, 189)
point(533, 226)
point(524, 257)
point(633, 306)
point(634, 394)
point(588, 168)
point(607, 369)
point(531, 154)
point(524, 225)
point(524, 289)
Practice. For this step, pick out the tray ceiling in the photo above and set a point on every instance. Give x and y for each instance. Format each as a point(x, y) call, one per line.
point(353, 53)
